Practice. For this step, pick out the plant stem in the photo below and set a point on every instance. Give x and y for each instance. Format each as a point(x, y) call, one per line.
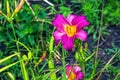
point(63, 61)
point(99, 36)
point(22, 65)
point(14, 34)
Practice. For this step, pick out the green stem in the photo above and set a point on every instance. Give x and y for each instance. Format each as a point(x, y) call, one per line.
point(22, 65)
point(17, 42)
point(13, 30)
point(83, 66)
point(14, 34)
point(63, 61)
point(81, 60)
point(80, 55)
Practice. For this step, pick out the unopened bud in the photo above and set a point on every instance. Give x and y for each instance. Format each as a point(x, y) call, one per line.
point(43, 56)
point(81, 48)
point(8, 8)
point(86, 46)
point(41, 59)
point(19, 6)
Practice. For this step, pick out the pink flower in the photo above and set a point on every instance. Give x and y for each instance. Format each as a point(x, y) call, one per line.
point(74, 73)
point(68, 29)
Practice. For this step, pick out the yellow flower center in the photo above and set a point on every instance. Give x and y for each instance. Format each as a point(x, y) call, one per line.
point(72, 76)
point(70, 30)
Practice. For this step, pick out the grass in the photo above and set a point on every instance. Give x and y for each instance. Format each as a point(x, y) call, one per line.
point(27, 49)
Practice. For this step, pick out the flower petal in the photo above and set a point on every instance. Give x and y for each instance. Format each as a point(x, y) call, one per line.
point(68, 42)
point(68, 69)
point(59, 22)
point(70, 18)
point(82, 35)
point(80, 76)
point(57, 36)
point(80, 22)
point(77, 69)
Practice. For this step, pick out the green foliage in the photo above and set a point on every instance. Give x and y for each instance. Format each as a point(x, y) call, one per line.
point(25, 36)
point(113, 70)
point(113, 50)
point(111, 12)
point(100, 14)
point(65, 10)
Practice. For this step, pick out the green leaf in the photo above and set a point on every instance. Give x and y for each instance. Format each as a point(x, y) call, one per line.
point(31, 39)
point(6, 58)
point(77, 56)
point(11, 76)
point(51, 67)
point(24, 71)
point(6, 67)
point(51, 44)
point(65, 10)
point(89, 57)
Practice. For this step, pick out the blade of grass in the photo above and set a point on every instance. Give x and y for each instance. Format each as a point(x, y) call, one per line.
point(6, 58)
point(8, 8)
point(6, 67)
point(117, 77)
point(51, 4)
point(63, 62)
point(51, 45)
point(89, 57)
point(11, 76)
point(23, 45)
point(32, 73)
point(101, 71)
point(23, 68)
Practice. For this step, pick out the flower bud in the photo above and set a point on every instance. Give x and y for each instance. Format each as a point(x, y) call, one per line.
point(8, 8)
point(19, 6)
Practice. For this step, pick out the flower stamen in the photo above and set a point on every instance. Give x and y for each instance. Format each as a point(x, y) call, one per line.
point(72, 76)
point(70, 30)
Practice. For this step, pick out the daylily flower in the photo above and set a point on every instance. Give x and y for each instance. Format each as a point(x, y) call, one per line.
point(68, 29)
point(74, 73)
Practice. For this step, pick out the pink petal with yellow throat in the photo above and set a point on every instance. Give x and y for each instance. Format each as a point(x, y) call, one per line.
point(59, 22)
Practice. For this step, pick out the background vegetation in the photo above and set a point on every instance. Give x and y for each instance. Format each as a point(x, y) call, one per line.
point(26, 43)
